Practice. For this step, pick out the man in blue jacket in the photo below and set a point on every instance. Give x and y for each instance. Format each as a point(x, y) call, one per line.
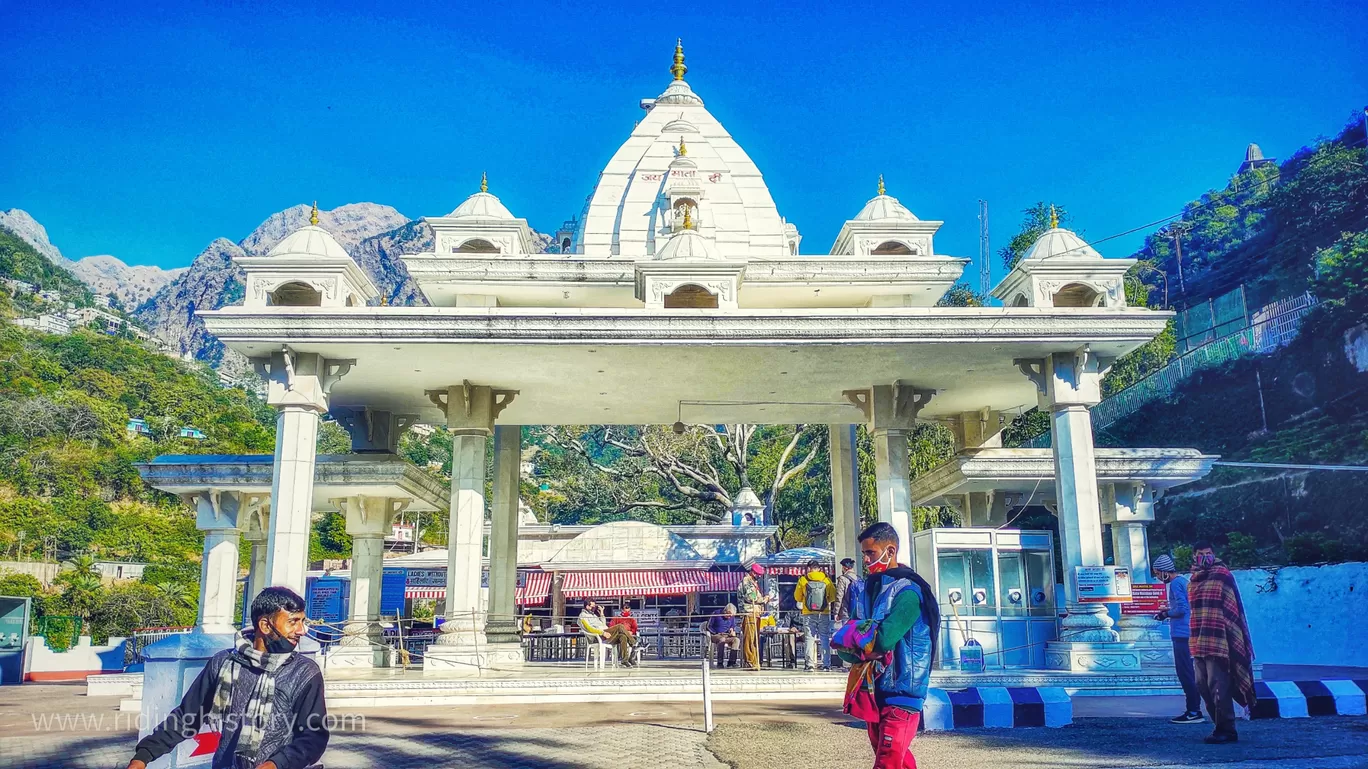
point(1178, 616)
point(901, 602)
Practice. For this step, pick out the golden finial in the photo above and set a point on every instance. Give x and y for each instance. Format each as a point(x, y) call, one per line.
point(688, 218)
point(881, 185)
point(484, 182)
point(1054, 218)
point(678, 69)
point(683, 151)
point(313, 217)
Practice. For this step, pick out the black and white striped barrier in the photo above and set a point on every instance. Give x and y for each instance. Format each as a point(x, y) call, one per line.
point(1300, 699)
point(997, 707)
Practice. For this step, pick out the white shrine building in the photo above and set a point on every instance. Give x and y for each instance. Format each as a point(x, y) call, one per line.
point(682, 294)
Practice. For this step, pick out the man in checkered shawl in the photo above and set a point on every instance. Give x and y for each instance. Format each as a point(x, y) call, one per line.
point(1222, 653)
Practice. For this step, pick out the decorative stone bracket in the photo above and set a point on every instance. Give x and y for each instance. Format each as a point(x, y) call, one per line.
point(471, 407)
point(300, 379)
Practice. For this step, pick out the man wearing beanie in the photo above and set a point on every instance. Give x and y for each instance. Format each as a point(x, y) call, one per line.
point(1177, 615)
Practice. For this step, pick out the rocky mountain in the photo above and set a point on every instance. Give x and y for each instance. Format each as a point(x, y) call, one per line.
point(19, 222)
point(349, 224)
point(210, 282)
point(105, 275)
point(131, 285)
point(375, 235)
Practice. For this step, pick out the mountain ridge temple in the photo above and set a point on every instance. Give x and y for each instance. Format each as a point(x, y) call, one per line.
point(681, 294)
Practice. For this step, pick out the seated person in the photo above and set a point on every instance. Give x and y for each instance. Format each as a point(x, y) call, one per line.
point(794, 628)
point(592, 624)
point(626, 620)
point(724, 632)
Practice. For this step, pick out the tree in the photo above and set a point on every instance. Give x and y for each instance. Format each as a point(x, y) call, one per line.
point(1034, 223)
point(698, 472)
point(962, 295)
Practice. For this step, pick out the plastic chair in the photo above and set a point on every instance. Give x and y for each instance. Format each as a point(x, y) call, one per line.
point(597, 650)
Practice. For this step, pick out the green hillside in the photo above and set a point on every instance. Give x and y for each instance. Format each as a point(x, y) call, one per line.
point(67, 482)
point(19, 261)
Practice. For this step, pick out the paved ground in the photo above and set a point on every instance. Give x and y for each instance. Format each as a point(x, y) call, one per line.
point(1111, 732)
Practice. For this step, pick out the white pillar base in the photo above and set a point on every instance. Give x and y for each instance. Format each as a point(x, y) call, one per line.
point(472, 659)
point(1155, 655)
point(359, 652)
point(1134, 628)
point(1089, 657)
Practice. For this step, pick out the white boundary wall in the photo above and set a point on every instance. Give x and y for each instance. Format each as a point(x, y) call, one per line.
point(1307, 615)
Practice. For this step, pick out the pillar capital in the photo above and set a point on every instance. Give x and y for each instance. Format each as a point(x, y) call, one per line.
point(1127, 502)
point(471, 408)
point(217, 509)
point(977, 429)
point(300, 380)
point(891, 407)
point(373, 430)
point(1067, 379)
point(371, 516)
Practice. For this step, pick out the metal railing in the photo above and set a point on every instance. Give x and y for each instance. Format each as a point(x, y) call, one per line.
point(143, 637)
point(1273, 326)
point(658, 645)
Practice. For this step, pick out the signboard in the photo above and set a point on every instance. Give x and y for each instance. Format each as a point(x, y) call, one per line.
point(1103, 584)
point(426, 577)
point(1146, 600)
point(392, 592)
point(326, 599)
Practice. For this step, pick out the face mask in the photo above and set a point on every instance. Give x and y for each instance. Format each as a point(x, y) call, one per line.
point(278, 644)
point(1205, 560)
point(884, 563)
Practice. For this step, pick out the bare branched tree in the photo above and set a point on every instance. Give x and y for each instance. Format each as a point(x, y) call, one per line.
point(704, 467)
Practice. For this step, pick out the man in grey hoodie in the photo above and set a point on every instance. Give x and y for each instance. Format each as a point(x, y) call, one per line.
point(1177, 615)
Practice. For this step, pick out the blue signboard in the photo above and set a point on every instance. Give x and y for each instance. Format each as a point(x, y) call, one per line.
point(392, 587)
point(326, 599)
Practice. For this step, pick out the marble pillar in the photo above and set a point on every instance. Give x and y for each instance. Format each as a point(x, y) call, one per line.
point(1129, 508)
point(845, 493)
point(892, 411)
point(461, 648)
point(217, 514)
point(894, 486)
point(369, 519)
point(501, 626)
point(1068, 385)
point(255, 534)
point(297, 385)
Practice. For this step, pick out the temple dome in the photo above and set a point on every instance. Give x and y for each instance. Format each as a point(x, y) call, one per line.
point(482, 205)
point(688, 246)
point(679, 126)
point(884, 208)
point(310, 240)
point(1056, 242)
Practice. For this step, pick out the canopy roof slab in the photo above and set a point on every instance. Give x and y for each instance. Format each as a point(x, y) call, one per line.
point(624, 366)
point(1026, 471)
point(336, 476)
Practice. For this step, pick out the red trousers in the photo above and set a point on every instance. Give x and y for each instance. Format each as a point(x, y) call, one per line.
point(892, 738)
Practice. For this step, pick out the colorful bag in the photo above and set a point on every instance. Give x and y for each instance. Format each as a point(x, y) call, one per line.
point(857, 637)
point(859, 697)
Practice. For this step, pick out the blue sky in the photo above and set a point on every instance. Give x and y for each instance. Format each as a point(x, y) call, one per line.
point(146, 131)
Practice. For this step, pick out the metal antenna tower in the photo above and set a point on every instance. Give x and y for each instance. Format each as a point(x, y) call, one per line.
point(985, 252)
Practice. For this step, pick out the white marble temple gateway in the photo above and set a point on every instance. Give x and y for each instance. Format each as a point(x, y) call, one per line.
point(679, 293)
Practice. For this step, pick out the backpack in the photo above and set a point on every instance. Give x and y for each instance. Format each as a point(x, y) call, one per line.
point(815, 598)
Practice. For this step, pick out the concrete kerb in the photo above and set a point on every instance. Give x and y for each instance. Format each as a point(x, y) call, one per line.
point(1304, 699)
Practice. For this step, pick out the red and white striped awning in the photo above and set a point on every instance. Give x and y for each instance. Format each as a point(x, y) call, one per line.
point(633, 584)
point(723, 581)
point(788, 571)
point(534, 591)
point(536, 588)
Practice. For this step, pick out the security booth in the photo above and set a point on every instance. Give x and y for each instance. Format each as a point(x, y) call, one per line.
point(15, 613)
point(995, 587)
